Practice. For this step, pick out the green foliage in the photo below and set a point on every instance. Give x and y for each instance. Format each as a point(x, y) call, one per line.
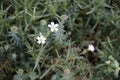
point(6, 70)
point(49, 39)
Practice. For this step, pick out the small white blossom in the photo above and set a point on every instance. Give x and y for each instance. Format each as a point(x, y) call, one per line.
point(91, 48)
point(53, 27)
point(41, 39)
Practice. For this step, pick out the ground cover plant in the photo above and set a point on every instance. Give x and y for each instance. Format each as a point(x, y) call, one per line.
point(59, 39)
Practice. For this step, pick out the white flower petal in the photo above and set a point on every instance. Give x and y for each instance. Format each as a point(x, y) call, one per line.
point(52, 30)
point(43, 42)
point(38, 38)
point(56, 29)
point(56, 25)
point(38, 42)
point(44, 38)
point(49, 25)
point(52, 23)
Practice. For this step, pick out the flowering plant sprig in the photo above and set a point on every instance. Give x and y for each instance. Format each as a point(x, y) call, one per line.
point(53, 28)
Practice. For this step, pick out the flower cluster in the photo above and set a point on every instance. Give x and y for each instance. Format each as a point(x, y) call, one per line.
point(53, 28)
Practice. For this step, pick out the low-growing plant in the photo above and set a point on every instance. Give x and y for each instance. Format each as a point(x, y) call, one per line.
point(59, 39)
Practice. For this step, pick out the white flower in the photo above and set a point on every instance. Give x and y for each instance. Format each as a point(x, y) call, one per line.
point(91, 48)
point(53, 27)
point(41, 39)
